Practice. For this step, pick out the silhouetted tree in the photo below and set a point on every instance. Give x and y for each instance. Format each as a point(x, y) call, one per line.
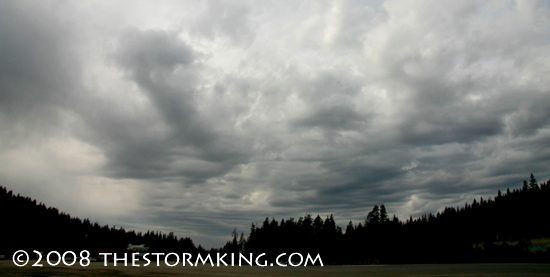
point(383, 214)
point(525, 186)
point(373, 218)
point(533, 183)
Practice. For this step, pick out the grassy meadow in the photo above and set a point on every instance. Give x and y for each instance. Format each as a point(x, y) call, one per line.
point(7, 268)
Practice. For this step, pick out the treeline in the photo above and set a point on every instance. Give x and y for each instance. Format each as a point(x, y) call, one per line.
point(28, 225)
point(478, 232)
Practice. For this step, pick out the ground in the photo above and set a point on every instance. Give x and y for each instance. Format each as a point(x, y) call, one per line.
point(7, 268)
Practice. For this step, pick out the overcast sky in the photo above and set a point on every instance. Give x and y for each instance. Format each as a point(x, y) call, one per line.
point(201, 116)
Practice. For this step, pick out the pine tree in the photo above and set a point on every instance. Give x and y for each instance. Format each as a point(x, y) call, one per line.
point(329, 225)
point(395, 219)
point(242, 242)
point(318, 224)
point(350, 228)
point(373, 217)
point(383, 214)
point(307, 221)
point(533, 183)
point(235, 235)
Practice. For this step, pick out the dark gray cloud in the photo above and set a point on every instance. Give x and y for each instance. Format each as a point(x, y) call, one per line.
point(335, 117)
point(37, 75)
point(168, 138)
point(200, 117)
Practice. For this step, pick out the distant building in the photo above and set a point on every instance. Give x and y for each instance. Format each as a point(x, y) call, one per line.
point(140, 248)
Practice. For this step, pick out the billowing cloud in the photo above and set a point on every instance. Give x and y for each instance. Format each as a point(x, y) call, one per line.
point(198, 117)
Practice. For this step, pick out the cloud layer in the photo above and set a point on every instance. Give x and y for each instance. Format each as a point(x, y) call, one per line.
point(198, 117)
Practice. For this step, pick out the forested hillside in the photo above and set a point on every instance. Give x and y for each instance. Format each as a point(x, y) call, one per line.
point(497, 229)
point(31, 226)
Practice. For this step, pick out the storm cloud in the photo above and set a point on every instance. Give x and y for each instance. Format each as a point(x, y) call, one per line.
point(199, 117)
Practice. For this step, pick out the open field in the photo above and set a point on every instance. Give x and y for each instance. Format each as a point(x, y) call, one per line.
point(7, 268)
